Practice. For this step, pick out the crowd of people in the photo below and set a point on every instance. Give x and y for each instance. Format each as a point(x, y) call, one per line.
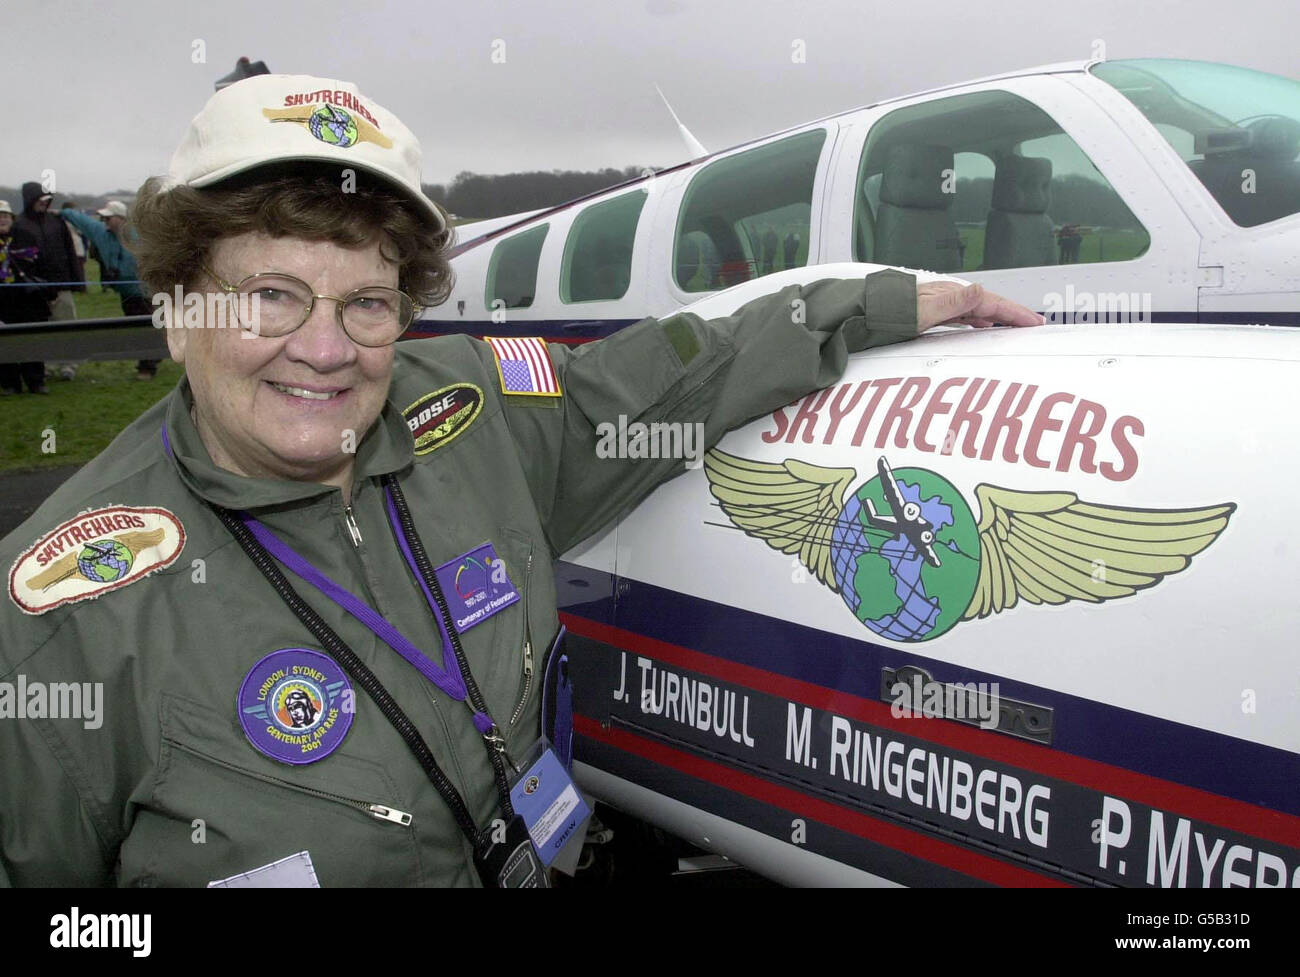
point(43, 253)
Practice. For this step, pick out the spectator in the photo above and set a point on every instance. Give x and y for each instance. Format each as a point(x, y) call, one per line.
point(57, 256)
point(79, 245)
point(771, 244)
point(18, 304)
point(790, 249)
point(1068, 239)
point(116, 264)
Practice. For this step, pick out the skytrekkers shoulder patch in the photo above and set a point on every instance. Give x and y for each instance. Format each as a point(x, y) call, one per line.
point(438, 417)
point(92, 553)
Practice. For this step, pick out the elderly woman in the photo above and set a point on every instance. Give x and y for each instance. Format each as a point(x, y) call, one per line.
point(304, 605)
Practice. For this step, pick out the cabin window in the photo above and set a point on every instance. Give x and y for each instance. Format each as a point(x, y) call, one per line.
point(984, 181)
point(512, 272)
point(748, 215)
point(598, 254)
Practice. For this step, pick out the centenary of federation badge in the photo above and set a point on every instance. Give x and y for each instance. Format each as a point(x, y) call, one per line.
point(296, 705)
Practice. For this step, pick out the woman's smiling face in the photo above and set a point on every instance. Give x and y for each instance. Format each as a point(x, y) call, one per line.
point(294, 406)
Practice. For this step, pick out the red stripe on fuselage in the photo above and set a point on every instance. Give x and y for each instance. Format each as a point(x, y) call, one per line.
point(803, 805)
point(1259, 822)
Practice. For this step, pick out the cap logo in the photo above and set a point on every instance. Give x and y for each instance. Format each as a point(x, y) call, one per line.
point(333, 125)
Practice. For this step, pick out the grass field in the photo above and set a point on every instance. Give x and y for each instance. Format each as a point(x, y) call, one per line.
point(96, 302)
point(1109, 245)
point(84, 414)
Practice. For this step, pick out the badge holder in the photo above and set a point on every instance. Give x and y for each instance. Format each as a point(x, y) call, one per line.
point(553, 811)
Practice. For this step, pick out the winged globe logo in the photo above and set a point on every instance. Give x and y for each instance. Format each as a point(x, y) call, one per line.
point(330, 124)
point(908, 557)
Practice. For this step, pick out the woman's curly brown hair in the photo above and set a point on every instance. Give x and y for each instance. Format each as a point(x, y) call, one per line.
point(178, 227)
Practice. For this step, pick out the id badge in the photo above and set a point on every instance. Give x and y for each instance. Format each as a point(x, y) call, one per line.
point(544, 796)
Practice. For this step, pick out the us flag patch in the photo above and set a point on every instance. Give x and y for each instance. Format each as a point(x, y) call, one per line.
point(524, 367)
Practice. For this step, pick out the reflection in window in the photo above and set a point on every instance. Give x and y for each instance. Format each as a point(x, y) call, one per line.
point(598, 254)
point(984, 181)
point(748, 215)
point(512, 272)
point(1237, 130)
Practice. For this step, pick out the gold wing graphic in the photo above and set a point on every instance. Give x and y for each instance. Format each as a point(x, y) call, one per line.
point(1050, 547)
point(792, 506)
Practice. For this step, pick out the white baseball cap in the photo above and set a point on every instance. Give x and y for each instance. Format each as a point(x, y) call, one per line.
point(273, 118)
point(114, 208)
point(5, 208)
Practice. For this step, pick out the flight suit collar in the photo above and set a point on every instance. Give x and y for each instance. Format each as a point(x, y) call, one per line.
point(386, 447)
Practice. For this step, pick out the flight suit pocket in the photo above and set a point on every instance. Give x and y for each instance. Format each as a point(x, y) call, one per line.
point(219, 808)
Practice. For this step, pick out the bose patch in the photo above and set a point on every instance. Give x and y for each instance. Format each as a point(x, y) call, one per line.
point(92, 553)
point(438, 417)
point(524, 367)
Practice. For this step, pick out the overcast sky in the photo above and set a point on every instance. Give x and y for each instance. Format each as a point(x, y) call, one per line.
point(101, 92)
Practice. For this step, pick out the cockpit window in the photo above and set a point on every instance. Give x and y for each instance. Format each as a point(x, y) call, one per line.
point(1238, 130)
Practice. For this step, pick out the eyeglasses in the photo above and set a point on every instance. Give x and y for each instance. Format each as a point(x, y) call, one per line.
point(273, 304)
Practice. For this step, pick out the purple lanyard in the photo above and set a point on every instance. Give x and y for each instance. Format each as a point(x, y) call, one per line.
point(448, 679)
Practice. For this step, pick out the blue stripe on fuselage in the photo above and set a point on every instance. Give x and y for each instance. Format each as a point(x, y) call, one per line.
point(1093, 730)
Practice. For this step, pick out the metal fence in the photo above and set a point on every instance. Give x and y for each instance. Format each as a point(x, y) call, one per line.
point(117, 338)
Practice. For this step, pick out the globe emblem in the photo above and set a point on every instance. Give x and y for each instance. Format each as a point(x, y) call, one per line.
point(333, 126)
point(885, 580)
point(104, 561)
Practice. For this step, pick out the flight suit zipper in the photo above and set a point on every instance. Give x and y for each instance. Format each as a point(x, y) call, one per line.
point(498, 755)
point(353, 529)
point(528, 649)
point(380, 812)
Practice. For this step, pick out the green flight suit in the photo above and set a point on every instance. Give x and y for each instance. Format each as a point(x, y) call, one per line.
point(169, 791)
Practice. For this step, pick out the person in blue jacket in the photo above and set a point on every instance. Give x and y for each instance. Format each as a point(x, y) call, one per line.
point(117, 263)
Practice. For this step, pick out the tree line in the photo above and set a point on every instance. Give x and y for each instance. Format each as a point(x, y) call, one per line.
point(479, 196)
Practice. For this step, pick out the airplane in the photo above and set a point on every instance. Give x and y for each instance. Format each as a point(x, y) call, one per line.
point(1096, 688)
point(1099, 191)
point(918, 531)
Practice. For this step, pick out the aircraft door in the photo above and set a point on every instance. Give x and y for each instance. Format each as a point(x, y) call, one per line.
point(1026, 187)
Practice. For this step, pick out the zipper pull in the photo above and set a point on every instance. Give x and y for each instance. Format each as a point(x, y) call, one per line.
point(353, 530)
point(528, 657)
point(388, 814)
